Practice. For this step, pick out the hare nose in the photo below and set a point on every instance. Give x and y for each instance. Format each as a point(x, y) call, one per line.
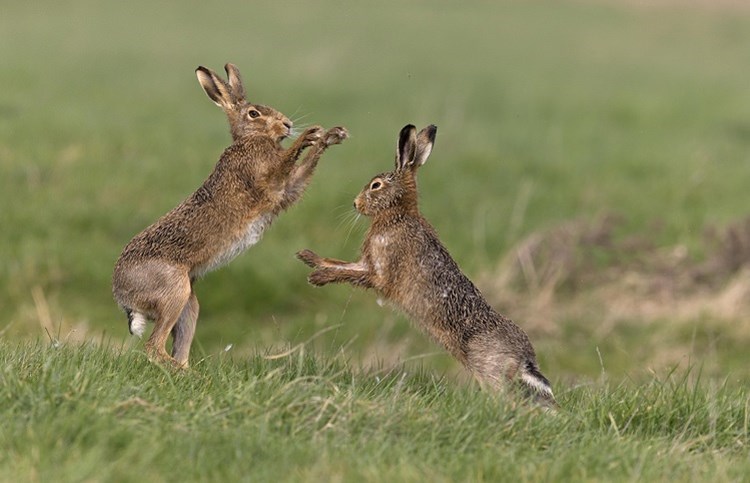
point(288, 124)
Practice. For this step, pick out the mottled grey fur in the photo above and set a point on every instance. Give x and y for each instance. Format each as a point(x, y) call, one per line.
point(405, 262)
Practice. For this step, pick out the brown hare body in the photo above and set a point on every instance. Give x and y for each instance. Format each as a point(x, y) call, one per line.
point(253, 181)
point(405, 262)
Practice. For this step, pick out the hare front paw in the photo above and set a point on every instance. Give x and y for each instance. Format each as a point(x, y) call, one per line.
point(335, 135)
point(321, 277)
point(311, 136)
point(309, 258)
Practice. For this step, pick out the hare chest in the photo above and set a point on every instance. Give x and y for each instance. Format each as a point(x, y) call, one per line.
point(249, 236)
point(387, 263)
point(379, 252)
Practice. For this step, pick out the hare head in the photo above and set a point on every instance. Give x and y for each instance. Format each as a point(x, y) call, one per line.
point(245, 118)
point(397, 189)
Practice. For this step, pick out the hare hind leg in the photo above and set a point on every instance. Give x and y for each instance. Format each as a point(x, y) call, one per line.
point(169, 307)
point(491, 361)
point(184, 330)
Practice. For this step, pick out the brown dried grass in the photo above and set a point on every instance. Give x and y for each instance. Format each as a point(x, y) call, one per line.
point(580, 268)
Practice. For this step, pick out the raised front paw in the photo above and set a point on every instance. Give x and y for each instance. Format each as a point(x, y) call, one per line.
point(309, 258)
point(335, 135)
point(321, 277)
point(311, 136)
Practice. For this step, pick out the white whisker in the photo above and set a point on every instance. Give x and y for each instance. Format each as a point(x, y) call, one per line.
point(343, 210)
point(346, 217)
point(297, 119)
point(351, 228)
point(291, 116)
point(296, 131)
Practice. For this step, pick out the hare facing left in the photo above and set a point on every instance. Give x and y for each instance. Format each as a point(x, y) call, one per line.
point(253, 181)
point(403, 260)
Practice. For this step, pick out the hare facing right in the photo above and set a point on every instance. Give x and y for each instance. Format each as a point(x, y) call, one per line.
point(254, 180)
point(405, 262)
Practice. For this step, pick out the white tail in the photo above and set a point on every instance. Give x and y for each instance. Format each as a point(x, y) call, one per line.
point(537, 386)
point(137, 324)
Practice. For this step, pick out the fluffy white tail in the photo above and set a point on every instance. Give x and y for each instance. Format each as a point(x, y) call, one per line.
point(536, 386)
point(136, 323)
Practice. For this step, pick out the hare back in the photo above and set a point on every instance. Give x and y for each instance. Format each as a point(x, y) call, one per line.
point(199, 236)
point(415, 272)
point(223, 217)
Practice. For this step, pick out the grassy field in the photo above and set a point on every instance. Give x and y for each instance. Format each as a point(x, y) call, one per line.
point(91, 414)
point(550, 114)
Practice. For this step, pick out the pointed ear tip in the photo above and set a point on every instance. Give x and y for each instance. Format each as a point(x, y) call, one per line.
point(202, 73)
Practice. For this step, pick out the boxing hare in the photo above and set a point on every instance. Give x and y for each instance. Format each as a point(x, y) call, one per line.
point(404, 261)
point(253, 181)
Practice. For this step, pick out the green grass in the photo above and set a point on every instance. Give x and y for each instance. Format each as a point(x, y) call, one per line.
point(93, 414)
point(547, 111)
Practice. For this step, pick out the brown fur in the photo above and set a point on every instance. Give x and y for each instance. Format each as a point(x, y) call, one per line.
point(253, 181)
point(405, 262)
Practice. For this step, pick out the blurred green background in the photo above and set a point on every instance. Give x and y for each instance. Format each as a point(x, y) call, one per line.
point(548, 111)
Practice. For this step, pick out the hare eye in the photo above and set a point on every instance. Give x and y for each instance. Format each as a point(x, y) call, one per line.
point(253, 113)
point(376, 185)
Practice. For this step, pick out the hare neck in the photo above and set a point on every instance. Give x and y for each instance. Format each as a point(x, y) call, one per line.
point(396, 214)
point(248, 138)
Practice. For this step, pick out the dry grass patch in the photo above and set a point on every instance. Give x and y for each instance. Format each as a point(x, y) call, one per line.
point(585, 261)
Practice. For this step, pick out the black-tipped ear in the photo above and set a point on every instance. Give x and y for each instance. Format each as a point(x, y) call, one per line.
point(406, 146)
point(235, 82)
point(425, 141)
point(215, 87)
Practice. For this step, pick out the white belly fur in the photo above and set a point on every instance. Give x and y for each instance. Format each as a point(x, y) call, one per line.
point(249, 237)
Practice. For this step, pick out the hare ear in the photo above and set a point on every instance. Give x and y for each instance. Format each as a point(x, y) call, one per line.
point(215, 87)
point(235, 82)
point(406, 147)
point(425, 141)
